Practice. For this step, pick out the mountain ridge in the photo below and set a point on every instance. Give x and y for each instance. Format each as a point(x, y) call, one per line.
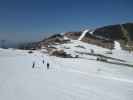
point(103, 36)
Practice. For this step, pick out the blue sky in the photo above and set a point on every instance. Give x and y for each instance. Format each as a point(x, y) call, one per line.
point(27, 20)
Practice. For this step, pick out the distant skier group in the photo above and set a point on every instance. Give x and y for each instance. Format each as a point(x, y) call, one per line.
point(47, 64)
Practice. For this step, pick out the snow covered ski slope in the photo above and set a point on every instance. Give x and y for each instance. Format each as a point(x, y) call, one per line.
point(83, 34)
point(81, 78)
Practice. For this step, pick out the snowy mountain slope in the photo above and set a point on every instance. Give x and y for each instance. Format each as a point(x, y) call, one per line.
point(80, 78)
point(76, 47)
point(67, 78)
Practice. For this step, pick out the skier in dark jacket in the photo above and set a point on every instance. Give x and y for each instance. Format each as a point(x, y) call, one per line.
point(33, 65)
point(48, 65)
point(43, 61)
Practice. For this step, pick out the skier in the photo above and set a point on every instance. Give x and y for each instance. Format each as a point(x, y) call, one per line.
point(48, 65)
point(33, 65)
point(43, 61)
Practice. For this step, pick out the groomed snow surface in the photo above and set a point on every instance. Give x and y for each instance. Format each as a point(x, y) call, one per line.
point(66, 79)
